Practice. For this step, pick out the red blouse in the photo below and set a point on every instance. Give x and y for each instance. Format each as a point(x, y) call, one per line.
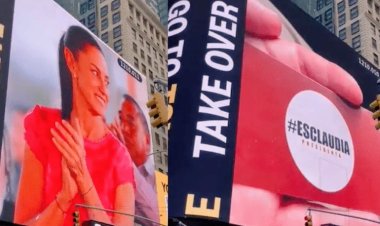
point(108, 161)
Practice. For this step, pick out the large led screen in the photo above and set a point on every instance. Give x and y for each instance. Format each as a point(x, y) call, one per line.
point(75, 128)
point(298, 138)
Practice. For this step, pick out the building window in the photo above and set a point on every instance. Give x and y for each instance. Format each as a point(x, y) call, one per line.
point(83, 8)
point(115, 5)
point(143, 69)
point(155, 65)
point(375, 59)
point(164, 144)
point(162, 72)
point(165, 156)
point(370, 2)
point(151, 28)
point(138, 15)
point(377, 9)
point(159, 159)
point(163, 41)
point(157, 137)
point(151, 74)
point(118, 46)
point(373, 29)
point(328, 2)
point(104, 11)
point(356, 42)
point(155, 53)
point(142, 54)
point(141, 40)
point(91, 4)
point(354, 12)
point(149, 61)
point(330, 27)
point(104, 37)
point(131, 8)
point(134, 47)
point(374, 43)
point(151, 89)
point(147, 46)
point(157, 35)
point(104, 23)
point(161, 59)
point(116, 17)
point(93, 29)
point(341, 6)
point(117, 31)
point(328, 15)
point(136, 62)
point(352, 2)
point(83, 21)
point(145, 22)
point(91, 19)
point(342, 34)
point(319, 18)
point(355, 28)
point(134, 33)
point(319, 4)
point(342, 19)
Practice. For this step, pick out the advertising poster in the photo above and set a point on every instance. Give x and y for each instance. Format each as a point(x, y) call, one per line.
point(305, 140)
point(75, 128)
point(207, 81)
point(162, 196)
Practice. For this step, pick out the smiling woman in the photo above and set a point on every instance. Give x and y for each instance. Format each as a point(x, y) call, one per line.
point(67, 149)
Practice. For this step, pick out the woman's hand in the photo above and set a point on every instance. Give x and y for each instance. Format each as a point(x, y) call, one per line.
point(69, 187)
point(69, 141)
point(263, 28)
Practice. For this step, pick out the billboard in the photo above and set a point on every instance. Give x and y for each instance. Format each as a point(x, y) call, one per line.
point(304, 139)
point(207, 80)
point(74, 124)
point(162, 196)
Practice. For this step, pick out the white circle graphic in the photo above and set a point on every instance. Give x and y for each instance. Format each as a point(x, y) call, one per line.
point(319, 141)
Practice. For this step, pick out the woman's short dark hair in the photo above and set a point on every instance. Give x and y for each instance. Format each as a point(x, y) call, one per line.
point(75, 39)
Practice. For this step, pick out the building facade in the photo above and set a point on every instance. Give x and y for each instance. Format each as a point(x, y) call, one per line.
point(161, 8)
point(322, 11)
point(357, 23)
point(135, 32)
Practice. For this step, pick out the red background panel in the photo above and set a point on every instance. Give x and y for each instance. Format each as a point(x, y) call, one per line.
point(263, 159)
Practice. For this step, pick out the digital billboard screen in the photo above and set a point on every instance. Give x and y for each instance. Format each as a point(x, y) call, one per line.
point(303, 140)
point(75, 128)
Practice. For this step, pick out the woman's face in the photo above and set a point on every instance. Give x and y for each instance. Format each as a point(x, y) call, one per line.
point(92, 80)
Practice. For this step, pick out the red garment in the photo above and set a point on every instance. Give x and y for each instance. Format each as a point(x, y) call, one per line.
point(108, 161)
